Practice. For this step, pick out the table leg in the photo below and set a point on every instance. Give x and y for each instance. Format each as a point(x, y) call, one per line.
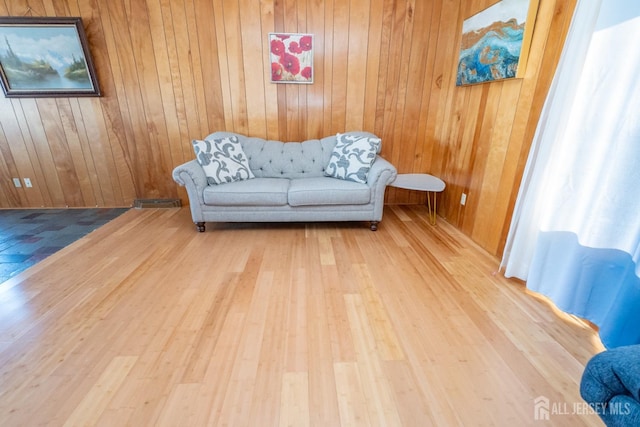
point(432, 213)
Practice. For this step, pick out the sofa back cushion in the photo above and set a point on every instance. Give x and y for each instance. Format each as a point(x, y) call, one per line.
point(276, 159)
point(222, 159)
point(352, 157)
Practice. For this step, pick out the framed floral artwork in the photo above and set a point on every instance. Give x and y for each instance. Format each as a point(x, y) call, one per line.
point(291, 57)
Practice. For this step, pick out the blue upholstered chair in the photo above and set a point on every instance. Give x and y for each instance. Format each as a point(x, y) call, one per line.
point(611, 385)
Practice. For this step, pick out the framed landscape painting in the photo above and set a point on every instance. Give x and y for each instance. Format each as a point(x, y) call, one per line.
point(495, 42)
point(291, 57)
point(45, 57)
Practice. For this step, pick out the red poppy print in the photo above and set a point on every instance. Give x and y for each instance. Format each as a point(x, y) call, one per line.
point(291, 57)
point(277, 47)
point(276, 71)
point(290, 63)
point(306, 43)
point(295, 48)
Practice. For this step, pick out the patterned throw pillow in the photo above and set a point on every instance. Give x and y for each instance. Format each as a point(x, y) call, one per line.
point(352, 157)
point(223, 160)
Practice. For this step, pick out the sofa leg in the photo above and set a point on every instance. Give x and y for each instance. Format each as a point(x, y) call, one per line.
point(374, 225)
point(200, 226)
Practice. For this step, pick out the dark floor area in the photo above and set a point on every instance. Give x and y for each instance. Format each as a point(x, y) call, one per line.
point(29, 236)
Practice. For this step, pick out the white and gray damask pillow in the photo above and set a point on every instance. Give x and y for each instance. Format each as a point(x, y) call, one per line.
point(223, 160)
point(352, 157)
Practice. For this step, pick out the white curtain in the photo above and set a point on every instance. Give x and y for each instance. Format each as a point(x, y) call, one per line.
point(575, 232)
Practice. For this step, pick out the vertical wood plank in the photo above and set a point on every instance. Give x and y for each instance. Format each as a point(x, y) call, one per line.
point(11, 196)
point(237, 78)
point(164, 46)
point(269, 21)
point(19, 152)
point(327, 67)
point(45, 145)
point(340, 49)
point(85, 147)
point(254, 68)
point(211, 89)
point(84, 193)
point(357, 64)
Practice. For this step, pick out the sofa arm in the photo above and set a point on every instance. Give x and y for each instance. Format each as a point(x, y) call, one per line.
point(191, 176)
point(382, 173)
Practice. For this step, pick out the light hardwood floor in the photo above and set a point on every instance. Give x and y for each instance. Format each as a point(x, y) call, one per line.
point(147, 322)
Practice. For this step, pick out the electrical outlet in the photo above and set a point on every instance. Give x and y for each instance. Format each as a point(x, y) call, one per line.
point(27, 182)
point(463, 199)
point(16, 182)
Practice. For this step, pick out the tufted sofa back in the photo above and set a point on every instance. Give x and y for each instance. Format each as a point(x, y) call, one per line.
point(276, 159)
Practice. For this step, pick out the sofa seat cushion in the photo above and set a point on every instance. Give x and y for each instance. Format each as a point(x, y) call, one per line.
point(327, 191)
point(253, 192)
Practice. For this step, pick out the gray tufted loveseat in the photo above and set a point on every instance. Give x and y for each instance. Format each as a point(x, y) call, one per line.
point(289, 183)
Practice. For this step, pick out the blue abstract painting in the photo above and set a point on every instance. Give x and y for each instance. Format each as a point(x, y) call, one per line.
point(491, 43)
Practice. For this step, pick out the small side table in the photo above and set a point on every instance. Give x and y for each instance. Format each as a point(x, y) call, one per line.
point(421, 182)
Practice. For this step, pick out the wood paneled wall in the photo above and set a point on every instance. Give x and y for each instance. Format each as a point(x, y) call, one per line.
point(174, 70)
